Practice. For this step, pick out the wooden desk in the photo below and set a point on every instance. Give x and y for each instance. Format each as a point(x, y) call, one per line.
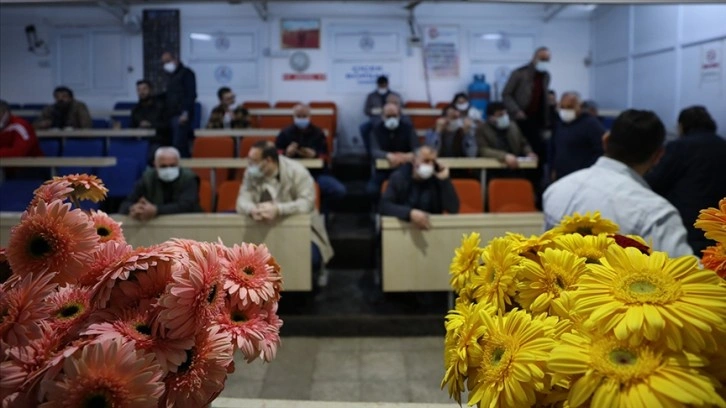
point(288, 111)
point(412, 111)
point(288, 239)
point(414, 260)
point(212, 163)
point(55, 162)
point(236, 133)
point(481, 163)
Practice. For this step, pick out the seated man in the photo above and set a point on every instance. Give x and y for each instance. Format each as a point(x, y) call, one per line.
point(418, 189)
point(17, 137)
point(225, 109)
point(690, 175)
point(304, 140)
point(501, 139)
point(148, 113)
point(66, 112)
point(165, 189)
point(577, 140)
point(240, 118)
point(274, 186)
point(393, 140)
point(365, 128)
point(378, 98)
point(216, 118)
point(453, 135)
point(614, 185)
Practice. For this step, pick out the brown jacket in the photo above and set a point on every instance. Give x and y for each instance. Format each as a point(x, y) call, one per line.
point(517, 94)
point(294, 193)
point(77, 116)
point(486, 140)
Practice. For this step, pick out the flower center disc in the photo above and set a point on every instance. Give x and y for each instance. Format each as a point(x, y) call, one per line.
point(39, 246)
point(97, 401)
point(69, 311)
point(103, 231)
point(642, 287)
point(622, 357)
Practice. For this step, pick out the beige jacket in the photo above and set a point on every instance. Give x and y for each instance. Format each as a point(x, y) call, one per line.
point(293, 191)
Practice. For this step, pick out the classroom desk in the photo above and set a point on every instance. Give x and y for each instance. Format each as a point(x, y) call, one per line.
point(288, 111)
point(288, 239)
point(55, 162)
point(240, 133)
point(414, 260)
point(413, 111)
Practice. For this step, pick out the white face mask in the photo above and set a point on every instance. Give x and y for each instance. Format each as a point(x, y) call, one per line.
point(503, 121)
point(170, 67)
point(254, 171)
point(462, 106)
point(382, 91)
point(425, 171)
point(301, 123)
point(567, 115)
point(391, 123)
point(168, 174)
point(542, 66)
point(455, 125)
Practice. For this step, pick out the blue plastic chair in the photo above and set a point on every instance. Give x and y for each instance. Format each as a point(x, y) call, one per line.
point(120, 179)
point(136, 149)
point(50, 147)
point(100, 124)
point(197, 115)
point(16, 194)
point(81, 148)
point(124, 120)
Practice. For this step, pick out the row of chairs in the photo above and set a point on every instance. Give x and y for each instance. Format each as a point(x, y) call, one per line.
point(225, 200)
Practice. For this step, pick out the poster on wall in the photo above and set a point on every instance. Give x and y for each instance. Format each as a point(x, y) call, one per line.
point(441, 51)
point(360, 77)
point(299, 33)
point(711, 62)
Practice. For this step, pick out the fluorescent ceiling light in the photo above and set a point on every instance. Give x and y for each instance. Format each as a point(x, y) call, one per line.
point(201, 37)
point(492, 36)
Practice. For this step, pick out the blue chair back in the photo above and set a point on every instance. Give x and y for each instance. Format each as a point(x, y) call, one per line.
point(136, 149)
point(123, 120)
point(50, 147)
point(81, 148)
point(16, 194)
point(100, 124)
point(197, 115)
point(121, 178)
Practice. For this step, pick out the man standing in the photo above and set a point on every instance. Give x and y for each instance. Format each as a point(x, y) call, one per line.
point(181, 93)
point(17, 137)
point(377, 98)
point(66, 112)
point(577, 140)
point(304, 140)
point(418, 189)
point(164, 189)
point(614, 185)
point(525, 96)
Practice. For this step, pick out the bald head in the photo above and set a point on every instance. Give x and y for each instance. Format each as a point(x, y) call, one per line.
point(570, 100)
point(301, 110)
point(390, 110)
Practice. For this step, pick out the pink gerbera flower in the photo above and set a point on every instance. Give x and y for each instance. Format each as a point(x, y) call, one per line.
point(51, 237)
point(271, 338)
point(139, 326)
point(249, 278)
point(106, 256)
point(246, 326)
point(195, 294)
point(143, 285)
point(107, 228)
point(85, 187)
point(201, 377)
point(5, 271)
point(22, 308)
point(51, 190)
point(110, 373)
point(70, 308)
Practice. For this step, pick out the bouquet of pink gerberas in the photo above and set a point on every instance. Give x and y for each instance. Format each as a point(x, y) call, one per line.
point(86, 320)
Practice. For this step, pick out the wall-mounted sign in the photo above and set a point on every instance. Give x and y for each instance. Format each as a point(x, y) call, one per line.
point(300, 33)
point(349, 76)
point(303, 77)
point(441, 50)
point(223, 74)
point(711, 64)
point(299, 61)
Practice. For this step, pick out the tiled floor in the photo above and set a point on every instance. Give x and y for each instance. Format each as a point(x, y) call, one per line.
point(382, 369)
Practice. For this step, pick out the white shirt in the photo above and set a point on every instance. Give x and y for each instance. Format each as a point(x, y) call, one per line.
point(623, 196)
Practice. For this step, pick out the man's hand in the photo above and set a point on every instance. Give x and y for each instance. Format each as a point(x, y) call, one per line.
point(420, 219)
point(307, 152)
point(183, 118)
point(520, 116)
point(291, 150)
point(441, 124)
point(511, 161)
point(394, 159)
point(145, 124)
point(256, 214)
point(268, 211)
point(443, 174)
point(144, 210)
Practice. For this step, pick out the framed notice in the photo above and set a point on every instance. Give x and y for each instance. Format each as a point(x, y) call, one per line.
point(441, 51)
point(299, 33)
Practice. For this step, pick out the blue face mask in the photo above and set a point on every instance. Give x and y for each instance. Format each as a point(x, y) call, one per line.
point(254, 171)
point(302, 123)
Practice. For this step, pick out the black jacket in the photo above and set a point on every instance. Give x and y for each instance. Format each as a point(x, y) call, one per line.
point(691, 176)
point(403, 139)
point(403, 194)
point(312, 137)
point(576, 145)
point(181, 93)
point(179, 196)
point(151, 111)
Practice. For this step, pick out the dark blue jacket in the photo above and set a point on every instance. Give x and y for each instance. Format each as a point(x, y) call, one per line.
point(403, 194)
point(181, 93)
point(576, 145)
point(312, 137)
point(691, 176)
point(403, 139)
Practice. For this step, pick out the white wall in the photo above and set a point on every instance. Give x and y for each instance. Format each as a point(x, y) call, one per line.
point(650, 56)
point(29, 78)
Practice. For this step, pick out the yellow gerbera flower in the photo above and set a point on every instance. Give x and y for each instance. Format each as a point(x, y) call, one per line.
point(613, 373)
point(588, 224)
point(634, 296)
point(85, 187)
point(713, 222)
point(541, 285)
point(514, 350)
point(465, 261)
point(589, 247)
point(529, 247)
point(463, 331)
point(495, 280)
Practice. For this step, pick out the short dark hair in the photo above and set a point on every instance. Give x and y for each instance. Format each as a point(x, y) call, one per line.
point(495, 107)
point(695, 118)
point(459, 95)
point(382, 80)
point(144, 82)
point(635, 136)
point(63, 88)
point(221, 91)
point(268, 150)
point(446, 108)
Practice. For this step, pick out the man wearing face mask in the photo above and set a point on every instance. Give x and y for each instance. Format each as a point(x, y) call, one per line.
point(577, 140)
point(418, 189)
point(276, 186)
point(453, 135)
point(393, 140)
point(164, 189)
point(500, 138)
point(304, 140)
point(377, 98)
point(65, 113)
point(17, 137)
point(179, 99)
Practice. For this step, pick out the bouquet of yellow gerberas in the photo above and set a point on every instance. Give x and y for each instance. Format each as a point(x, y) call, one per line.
point(583, 316)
